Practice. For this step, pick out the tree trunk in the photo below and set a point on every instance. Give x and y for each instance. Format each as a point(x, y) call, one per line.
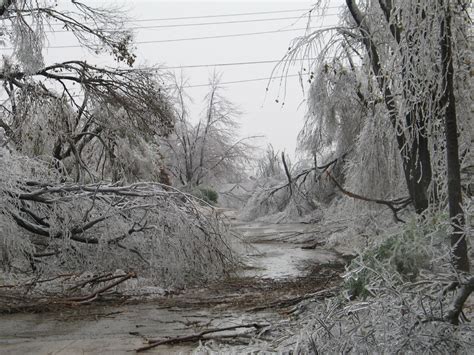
point(417, 164)
point(415, 155)
point(458, 237)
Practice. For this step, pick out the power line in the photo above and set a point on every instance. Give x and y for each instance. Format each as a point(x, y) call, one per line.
point(236, 81)
point(217, 16)
point(206, 23)
point(195, 38)
point(306, 11)
point(225, 36)
point(243, 81)
point(223, 64)
point(220, 15)
point(227, 22)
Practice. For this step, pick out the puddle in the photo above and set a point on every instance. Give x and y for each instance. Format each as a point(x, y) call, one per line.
point(282, 260)
point(270, 253)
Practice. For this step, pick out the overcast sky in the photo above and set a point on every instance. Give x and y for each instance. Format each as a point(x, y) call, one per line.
point(261, 114)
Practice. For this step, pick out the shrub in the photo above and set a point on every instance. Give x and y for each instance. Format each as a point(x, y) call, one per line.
point(210, 195)
point(206, 194)
point(404, 254)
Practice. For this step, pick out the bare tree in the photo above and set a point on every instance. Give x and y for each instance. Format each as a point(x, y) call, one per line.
point(207, 151)
point(269, 165)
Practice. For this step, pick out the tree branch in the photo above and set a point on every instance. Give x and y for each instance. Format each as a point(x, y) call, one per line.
point(394, 205)
point(197, 337)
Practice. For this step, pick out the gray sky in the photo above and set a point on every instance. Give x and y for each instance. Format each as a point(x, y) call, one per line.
point(261, 114)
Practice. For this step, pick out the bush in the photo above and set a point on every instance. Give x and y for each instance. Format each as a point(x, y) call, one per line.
point(404, 254)
point(210, 195)
point(206, 194)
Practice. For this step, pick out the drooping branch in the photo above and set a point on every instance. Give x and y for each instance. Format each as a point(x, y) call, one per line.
point(95, 28)
point(394, 205)
point(135, 91)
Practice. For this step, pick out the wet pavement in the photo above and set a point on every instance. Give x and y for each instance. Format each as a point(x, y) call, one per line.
point(276, 269)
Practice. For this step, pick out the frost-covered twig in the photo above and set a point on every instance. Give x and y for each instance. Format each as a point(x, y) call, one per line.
point(197, 337)
point(155, 229)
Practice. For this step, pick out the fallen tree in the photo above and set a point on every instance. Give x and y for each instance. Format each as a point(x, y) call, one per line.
point(50, 227)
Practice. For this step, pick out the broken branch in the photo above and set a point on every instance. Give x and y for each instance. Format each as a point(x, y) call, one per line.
point(196, 337)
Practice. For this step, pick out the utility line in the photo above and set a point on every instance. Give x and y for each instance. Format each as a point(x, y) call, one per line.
point(217, 16)
point(243, 81)
point(227, 36)
point(235, 81)
point(220, 15)
point(203, 23)
point(224, 36)
point(196, 38)
point(224, 64)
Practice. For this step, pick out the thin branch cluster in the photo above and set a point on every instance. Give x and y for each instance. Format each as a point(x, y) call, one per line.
point(49, 227)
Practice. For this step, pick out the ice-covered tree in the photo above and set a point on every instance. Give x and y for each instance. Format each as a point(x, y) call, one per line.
point(207, 150)
point(399, 69)
point(80, 163)
point(91, 122)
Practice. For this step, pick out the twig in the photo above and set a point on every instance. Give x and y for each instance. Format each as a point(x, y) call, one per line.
point(326, 293)
point(97, 293)
point(196, 337)
point(96, 278)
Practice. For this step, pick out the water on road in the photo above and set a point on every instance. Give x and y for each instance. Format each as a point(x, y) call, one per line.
point(276, 269)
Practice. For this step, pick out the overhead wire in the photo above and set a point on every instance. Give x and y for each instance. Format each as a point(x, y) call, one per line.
point(222, 64)
point(218, 15)
point(243, 81)
point(196, 38)
point(205, 23)
point(215, 37)
point(221, 36)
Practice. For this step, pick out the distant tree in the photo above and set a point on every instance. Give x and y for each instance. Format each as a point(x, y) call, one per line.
point(269, 165)
point(208, 150)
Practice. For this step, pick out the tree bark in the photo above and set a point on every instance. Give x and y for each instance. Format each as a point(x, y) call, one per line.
point(415, 155)
point(458, 237)
point(417, 163)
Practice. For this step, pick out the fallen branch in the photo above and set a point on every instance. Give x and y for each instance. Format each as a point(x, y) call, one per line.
point(456, 307)
point(304, 174)
point(395, 205)
point(196, 337)
point(288, 302)
point(35, 281)
point(91, 280)
point(97, 293)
